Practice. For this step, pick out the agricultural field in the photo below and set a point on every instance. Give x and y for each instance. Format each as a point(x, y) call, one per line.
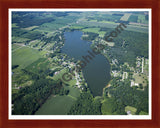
point(125, 17)
point(19, 39)
point(25, 56)
point(30, 28)
point(133, 18)
point(76, 27)
point(40, 64)
point(56, 105)
point(142, 19)
point(95, 30)
point(15, 47)
point(73, 91)
point(49, 27)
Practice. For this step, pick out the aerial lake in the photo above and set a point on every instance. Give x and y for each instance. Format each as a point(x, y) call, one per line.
point(97, 71)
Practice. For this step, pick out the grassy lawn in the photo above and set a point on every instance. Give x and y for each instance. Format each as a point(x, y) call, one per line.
point(131, 109)
point(140, 78)
point(60, 74)
point(74, 92)
point(24, 56)
point(56, 105)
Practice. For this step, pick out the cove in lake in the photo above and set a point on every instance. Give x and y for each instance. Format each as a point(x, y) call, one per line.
point(97, 72)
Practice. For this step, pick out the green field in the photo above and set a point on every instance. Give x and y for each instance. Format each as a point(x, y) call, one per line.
point(15, 46)
point(59, 105)
point(133, 18)
point(141, 19)
point(131, 109)
point(107, 108)
point(111, 22)
point(25, 56)
point(40, 64)
point(95, 30)
point(48, 27)
point(74, 92)
point(56, 105)
point(76, 27)
point(125, 17)
point(140, 78)
point(59, 76)
point(19, 39)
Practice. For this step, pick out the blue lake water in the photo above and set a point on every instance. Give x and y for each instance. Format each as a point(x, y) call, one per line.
point(97, 71)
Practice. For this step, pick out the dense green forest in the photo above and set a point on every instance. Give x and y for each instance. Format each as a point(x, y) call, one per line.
point(86, 105)
point(129, 45)
point(123, 95)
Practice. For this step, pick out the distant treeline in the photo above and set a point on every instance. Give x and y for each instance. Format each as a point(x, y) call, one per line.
point(25, 19)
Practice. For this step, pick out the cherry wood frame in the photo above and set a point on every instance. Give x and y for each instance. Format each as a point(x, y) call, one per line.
point(6, 4)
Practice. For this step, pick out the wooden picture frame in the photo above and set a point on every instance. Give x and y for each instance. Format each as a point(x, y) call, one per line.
point(4, 61)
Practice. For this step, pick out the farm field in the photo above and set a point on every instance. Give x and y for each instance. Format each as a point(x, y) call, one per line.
point(125, 17)
point(19, 39)
point(25, 56)
point(74, 92)
point(48, 27)
point(133, 18)
point(56, 105)
point(95, 30)
point(141, 19)
point(76, 27)
point(111, 26)
point(15, 46)
point(40, 64)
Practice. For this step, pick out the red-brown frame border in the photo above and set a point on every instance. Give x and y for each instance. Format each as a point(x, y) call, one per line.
point(6, 4)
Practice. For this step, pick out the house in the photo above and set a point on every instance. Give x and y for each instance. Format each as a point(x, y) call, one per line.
point(133, 83)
